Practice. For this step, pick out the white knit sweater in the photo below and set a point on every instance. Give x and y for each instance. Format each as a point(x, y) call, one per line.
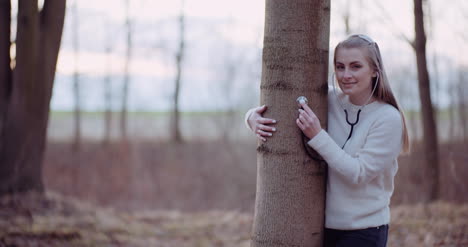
point(360, 176)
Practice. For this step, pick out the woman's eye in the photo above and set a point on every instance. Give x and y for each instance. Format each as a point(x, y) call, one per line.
point(339, 67)
point(357, 66)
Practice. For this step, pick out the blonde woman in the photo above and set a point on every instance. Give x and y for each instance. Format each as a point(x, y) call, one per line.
point(366, 133)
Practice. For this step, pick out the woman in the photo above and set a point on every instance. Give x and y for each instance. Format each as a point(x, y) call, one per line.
point(366, 133)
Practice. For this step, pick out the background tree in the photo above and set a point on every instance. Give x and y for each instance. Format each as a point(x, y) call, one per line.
point(176, 135)
point(126, 82)
point(26, 89)
point(290, 196)
point(107, 83)
point(76, 77)
point(462, 93)
point(429, 125)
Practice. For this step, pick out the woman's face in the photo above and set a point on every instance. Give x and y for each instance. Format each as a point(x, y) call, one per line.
point(354, 74)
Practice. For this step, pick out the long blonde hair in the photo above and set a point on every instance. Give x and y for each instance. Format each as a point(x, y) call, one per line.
point(383, 92)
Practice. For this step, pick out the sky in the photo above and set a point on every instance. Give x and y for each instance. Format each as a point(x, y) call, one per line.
point(221, 33)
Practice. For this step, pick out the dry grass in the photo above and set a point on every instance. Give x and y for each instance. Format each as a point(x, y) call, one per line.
point(33, 220)
point(200, 193)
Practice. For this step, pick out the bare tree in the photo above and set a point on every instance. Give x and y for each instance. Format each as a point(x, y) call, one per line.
point(231, 62)
point(430, 138)
point(126, 82)
point(26, 89)
point(176, 135)
point(108, 88)
point(462, 89)
point(347, 17)
point(429, 125)
point(76, 77)
point(290, 196)
point(451, 90)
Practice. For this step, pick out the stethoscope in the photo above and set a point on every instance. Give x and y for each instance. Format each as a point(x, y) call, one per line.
point(301, 99)
point(346, 111)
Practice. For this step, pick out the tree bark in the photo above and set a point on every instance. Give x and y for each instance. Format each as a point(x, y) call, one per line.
point(26, 118)
point(290, 196)
point(429, 125)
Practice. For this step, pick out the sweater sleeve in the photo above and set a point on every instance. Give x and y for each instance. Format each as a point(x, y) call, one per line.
point(246, 118)
point(382, 146)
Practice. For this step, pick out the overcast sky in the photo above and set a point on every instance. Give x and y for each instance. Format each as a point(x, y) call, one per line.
point(222, 31)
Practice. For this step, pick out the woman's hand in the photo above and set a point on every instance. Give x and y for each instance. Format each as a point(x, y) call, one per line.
point(308, 121)
point(259, 124)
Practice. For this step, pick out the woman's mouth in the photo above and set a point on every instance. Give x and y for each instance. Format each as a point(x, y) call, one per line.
point(348, 84)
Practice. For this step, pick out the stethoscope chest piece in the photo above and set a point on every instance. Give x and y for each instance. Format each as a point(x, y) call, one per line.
point(301, 100)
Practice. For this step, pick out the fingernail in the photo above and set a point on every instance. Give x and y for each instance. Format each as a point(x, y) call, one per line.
point(274, 129)
point(274, 121)
point(270, 134)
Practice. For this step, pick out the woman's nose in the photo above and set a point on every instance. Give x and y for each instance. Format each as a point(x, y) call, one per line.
point(347, 74)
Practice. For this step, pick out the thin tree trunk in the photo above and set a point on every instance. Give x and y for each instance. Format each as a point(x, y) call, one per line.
point(452, 111)
point(5, 60)
point(76, 79)
point(176, 135)
point(462, 111)
point(108, 99)
point(429, 125)
point(347, 18)
point(123, 114)
point(290, 196)
point(25, 124)
point(108, 86)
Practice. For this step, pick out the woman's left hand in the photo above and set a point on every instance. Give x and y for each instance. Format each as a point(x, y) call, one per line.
point(308, 121)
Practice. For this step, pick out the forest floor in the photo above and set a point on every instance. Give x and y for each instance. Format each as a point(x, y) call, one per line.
point(55, 220)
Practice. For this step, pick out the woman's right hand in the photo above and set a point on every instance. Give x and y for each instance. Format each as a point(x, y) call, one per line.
point(259, 124)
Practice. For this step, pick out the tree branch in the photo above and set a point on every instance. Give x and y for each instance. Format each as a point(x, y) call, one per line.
point(386, 17)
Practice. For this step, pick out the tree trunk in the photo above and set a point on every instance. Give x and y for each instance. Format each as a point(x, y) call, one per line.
point(5, 60)
point(451, 111)
point(176, 135)
point(26, 117)
point(290, 196)
point(76, 80)
point(108, 97)
point(123, 114)
point(429, 125)
point(462, 111)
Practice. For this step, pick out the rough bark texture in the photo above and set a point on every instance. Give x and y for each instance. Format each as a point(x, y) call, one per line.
point(429, 125)
point(290, 198)
point(25, 123)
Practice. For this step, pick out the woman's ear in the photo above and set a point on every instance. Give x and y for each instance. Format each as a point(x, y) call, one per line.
point(375, 74)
